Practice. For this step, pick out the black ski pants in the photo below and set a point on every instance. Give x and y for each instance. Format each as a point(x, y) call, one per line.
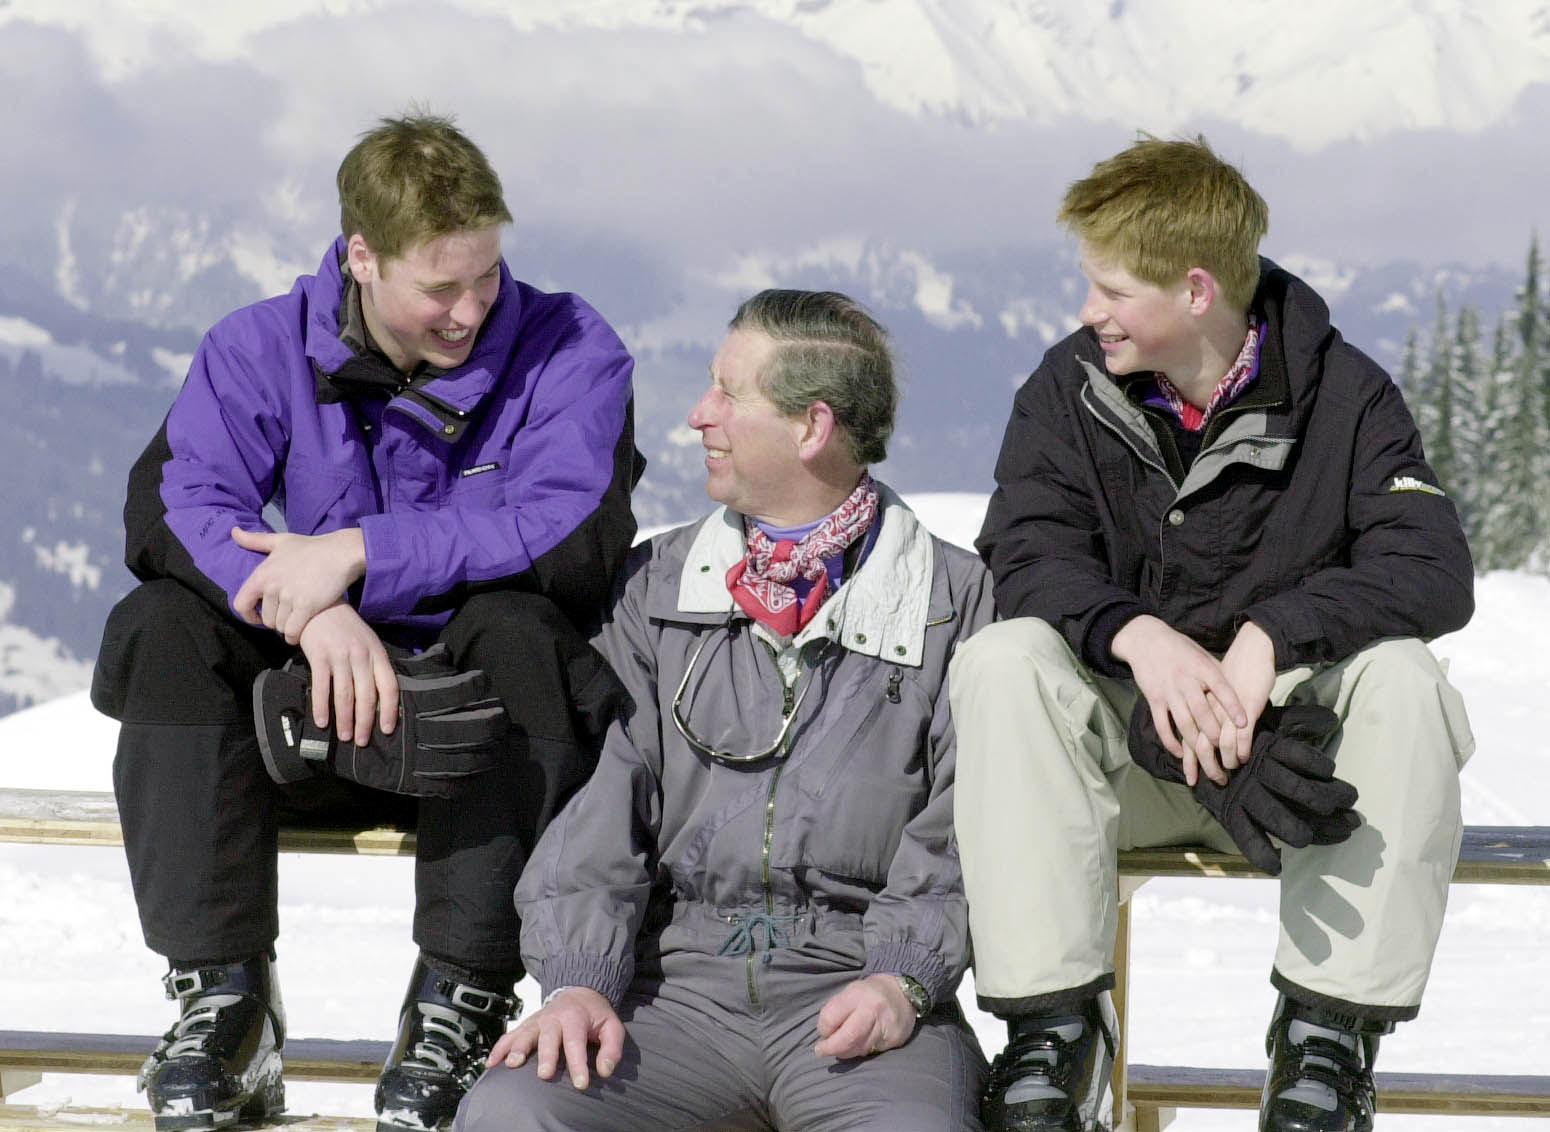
point(200, 815)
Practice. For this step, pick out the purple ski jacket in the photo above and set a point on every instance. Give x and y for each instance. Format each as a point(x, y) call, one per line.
point(511, 471)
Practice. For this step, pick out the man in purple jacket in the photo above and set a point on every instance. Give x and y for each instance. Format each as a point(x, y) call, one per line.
point(411, 448)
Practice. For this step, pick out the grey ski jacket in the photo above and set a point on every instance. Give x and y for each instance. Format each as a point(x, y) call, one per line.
point(838, 846)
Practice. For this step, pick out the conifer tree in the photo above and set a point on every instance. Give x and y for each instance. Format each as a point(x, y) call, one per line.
point(1468, 374)
point(1514, 496)
point(1434, 404)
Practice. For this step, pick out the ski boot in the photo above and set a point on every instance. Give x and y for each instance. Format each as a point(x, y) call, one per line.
point(1053, 1075)
point(445, 1030)
point(1320, 1077)
point(221, 1061)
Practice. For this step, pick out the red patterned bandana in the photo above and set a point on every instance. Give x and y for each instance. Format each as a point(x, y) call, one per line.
point(761, 582)
point(1238, 378)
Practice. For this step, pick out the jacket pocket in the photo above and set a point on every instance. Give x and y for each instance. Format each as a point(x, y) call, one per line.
point(316, 497)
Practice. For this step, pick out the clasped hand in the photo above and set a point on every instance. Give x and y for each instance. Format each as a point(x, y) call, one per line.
point(1204, 710)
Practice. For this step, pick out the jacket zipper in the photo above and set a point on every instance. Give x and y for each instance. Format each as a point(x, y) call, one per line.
point(787, 701)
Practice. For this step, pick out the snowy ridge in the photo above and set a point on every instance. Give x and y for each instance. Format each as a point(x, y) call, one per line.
point(1321, 73)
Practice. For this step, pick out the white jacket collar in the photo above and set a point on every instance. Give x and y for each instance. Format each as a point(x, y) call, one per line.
point(880, 611)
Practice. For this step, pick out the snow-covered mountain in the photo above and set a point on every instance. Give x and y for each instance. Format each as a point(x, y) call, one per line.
point(665, 158)
point(1349, 70)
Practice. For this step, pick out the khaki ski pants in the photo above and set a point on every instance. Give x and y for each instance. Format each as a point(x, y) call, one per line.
point(1046, 794)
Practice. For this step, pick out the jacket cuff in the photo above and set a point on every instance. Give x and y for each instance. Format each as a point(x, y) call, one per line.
point(609, 977)
point(1298, 639)
point(901, 958)
point(1100, 636)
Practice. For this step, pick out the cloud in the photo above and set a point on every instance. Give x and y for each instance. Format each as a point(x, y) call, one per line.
point(692, 149)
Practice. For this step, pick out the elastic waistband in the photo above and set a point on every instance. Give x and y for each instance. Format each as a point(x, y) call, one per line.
point(754, 927)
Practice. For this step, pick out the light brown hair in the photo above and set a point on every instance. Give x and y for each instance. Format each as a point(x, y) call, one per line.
point(413, 179)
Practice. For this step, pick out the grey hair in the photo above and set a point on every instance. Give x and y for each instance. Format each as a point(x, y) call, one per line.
point(829, 349)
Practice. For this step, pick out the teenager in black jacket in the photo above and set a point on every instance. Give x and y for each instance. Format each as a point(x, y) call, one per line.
point(1219, 549)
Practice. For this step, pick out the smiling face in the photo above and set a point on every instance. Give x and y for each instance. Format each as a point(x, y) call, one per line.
point(752, 457)
point(1141, 327)
point(427, 305)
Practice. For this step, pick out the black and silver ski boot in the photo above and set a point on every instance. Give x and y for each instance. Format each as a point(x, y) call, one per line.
point(445, 1030)
point(1053, 1075)
point(221, 1061)
point(1320, 1077)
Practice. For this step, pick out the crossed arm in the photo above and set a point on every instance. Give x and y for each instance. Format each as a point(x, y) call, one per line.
point(298, 590)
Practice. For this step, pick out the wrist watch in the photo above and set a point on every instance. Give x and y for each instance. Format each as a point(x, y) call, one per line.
point(915, 993)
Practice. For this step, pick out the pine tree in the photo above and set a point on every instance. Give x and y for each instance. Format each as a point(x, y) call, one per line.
point(1435, 403)
point(1467, 374)
point(1514, 496)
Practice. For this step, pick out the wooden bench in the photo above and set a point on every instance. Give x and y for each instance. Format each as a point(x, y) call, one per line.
point(1149, 1095)
point(1146, 1096)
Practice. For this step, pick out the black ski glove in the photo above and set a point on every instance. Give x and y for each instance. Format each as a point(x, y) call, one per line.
point(447, 732)
point(1287, 789)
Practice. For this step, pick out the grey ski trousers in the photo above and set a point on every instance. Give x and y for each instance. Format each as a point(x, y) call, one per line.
point(699, 1055)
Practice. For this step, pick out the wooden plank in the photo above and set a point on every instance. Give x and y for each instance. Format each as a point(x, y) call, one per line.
point(15, 1080)
point(88, 817)
point(1170, 1086)
point(306, 1059)
point(1488, 855)
point(1120, 996)
point(50, 1118)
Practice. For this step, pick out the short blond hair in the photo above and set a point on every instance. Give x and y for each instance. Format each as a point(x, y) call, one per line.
point(1159, 208)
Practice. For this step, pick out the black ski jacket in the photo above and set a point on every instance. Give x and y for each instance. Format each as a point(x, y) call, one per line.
point(1309, 510)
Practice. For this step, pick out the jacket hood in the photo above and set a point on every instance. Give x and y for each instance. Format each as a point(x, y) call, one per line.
point(1299, 333)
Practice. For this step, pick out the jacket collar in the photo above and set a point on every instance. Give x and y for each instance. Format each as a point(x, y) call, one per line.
point(439, 400)
point(882, 610)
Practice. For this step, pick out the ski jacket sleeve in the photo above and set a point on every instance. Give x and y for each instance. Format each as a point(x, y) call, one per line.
point(1043, 532)
point(1408, 571)
point(212, 465)
point(918, 924)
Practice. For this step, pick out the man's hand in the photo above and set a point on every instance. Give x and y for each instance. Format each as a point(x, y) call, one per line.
point(869, 1015)
point(300, 576)
point(1188, 691)
point(1250, 665)
point(351, 668)
point(573, 1020)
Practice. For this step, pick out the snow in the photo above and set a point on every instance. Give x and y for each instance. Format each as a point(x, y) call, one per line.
point(1201, 951)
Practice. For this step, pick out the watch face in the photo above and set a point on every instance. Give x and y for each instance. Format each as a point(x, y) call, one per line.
point(918, 998)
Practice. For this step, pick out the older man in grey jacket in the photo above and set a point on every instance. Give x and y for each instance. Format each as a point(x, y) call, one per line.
point(754, 910)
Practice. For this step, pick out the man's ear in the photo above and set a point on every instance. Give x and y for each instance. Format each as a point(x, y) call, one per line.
point(818, 428)
point(1203, 291)
point(362, 260)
